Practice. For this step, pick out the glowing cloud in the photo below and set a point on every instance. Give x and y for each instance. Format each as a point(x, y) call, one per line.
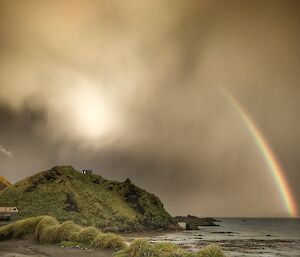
point(89, 112)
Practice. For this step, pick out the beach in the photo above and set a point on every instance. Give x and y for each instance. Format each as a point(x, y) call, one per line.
point(28, 247)
point(238, 237)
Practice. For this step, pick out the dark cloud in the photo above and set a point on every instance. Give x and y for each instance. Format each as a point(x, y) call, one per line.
point(131, 89)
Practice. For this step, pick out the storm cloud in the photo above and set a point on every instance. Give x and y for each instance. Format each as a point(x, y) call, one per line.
point(131, 89)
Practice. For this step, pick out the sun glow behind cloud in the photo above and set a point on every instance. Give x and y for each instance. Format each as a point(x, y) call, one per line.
point(90, 114)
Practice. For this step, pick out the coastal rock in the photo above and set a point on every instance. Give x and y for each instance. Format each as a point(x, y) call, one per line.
point(191, 226)
point(192, 222)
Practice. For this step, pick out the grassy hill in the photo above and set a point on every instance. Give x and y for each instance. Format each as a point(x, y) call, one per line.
point(88, 200)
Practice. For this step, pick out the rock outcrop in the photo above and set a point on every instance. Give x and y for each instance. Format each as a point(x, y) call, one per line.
point(193, 222)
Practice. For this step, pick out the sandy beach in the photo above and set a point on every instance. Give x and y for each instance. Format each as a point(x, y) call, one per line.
point(30, 248)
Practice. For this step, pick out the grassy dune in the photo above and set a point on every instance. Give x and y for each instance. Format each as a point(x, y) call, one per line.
point(47, 230)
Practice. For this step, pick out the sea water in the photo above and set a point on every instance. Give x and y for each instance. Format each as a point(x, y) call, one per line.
point(243, 237)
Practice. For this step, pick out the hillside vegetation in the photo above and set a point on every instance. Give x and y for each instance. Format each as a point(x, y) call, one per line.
point(89, 200)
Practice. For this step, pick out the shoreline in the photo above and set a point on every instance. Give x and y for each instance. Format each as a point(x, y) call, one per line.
point(236, 237)
point(29, 247)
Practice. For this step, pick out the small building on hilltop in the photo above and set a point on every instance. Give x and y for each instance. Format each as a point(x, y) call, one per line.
point(87, 172)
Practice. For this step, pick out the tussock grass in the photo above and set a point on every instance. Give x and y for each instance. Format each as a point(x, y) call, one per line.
point(211, 251)
point(87, 235)
point(68, 244)
point(49, 235)
point(108, 241)
point(68, 231)
point(141, 248)
point(43, 224)
point(19, 228)
point(47, 230)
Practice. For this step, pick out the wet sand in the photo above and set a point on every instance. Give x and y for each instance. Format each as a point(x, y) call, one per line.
point(28, 247)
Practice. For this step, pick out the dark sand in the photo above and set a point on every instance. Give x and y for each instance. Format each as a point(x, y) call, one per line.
point(28, 247)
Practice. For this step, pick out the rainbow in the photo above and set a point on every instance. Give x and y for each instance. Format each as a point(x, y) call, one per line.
point(273, 164)
point(4, 183)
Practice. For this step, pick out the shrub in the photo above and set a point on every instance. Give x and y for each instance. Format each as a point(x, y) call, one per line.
point(108, 241)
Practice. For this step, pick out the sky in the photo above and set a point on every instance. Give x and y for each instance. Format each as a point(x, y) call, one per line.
point(135, 89)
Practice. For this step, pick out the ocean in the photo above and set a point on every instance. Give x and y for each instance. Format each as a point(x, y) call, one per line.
point(242, 237)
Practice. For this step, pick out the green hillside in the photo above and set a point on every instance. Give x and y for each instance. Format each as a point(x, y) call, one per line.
point(67, 194)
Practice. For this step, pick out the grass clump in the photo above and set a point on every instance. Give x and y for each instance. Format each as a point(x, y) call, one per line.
point(108, 241)
point(68, 231)
point(211, 251)
point(168, 249)
point(69, 244)
point(49, 235)
point(87, 235)
point(19, 228)
point(47, 230)
point(141, 248)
